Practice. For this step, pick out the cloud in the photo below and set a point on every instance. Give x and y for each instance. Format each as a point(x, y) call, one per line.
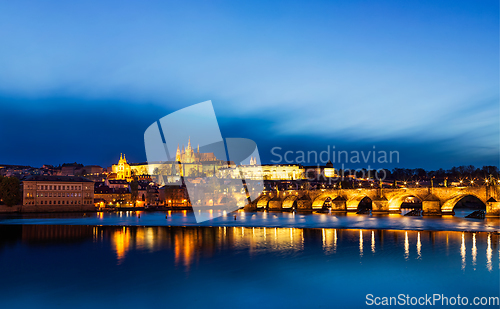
point(419, 74)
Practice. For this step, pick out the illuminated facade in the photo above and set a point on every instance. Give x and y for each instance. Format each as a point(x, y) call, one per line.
point(277, 172)
point(122, 170)
point(196, 164)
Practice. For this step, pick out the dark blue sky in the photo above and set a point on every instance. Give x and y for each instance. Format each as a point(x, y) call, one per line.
point(82, 81)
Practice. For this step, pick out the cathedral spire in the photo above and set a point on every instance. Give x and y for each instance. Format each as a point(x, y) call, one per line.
point(178, 154)
point(198, 148)
point(253, 160)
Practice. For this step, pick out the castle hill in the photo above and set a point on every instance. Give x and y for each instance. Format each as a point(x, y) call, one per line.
point(280, 187)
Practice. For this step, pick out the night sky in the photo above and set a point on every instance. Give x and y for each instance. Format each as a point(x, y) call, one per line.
point(83, 81)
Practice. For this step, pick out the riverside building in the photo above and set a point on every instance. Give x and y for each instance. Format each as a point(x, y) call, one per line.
point(58, 193)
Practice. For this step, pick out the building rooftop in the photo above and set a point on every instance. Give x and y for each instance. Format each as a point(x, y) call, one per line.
point(117, 181)
point(108, 190)
point(57, 178)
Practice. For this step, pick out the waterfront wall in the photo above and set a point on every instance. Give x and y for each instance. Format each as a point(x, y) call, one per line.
point(46, 208)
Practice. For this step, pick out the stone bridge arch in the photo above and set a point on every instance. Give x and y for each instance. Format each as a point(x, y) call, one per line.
point(321, 199)
point(397, 200)
point(263, 202)
point(435, 200)
point(289, 201)
point(353, 203)
point(450, 204)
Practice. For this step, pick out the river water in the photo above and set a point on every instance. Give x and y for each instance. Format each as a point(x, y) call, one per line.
point(264, 219)
point(113, 260)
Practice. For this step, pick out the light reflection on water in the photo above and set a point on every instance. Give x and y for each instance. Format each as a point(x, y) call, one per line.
point(419, 246)
point(373, 241)
point(360, 243)
point(407, 247)
point(170, 260)
point(189, 242)
point(489, 253)
point(474, 250)
point(463, 251)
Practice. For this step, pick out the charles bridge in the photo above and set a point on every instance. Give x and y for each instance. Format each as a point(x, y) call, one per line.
point(435, 200)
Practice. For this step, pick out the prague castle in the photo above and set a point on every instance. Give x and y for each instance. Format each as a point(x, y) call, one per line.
point(196, 164)
point(187, 155)
point(193, 164)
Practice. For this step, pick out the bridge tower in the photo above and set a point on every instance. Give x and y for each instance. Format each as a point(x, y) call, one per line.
point(493, 200)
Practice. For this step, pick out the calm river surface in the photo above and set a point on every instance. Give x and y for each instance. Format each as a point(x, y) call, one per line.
point(126, 261)
point(264, 219)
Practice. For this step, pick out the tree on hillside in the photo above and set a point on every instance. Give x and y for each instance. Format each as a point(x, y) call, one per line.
point(134, 190)
point(10, 191)
point(1, 178)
